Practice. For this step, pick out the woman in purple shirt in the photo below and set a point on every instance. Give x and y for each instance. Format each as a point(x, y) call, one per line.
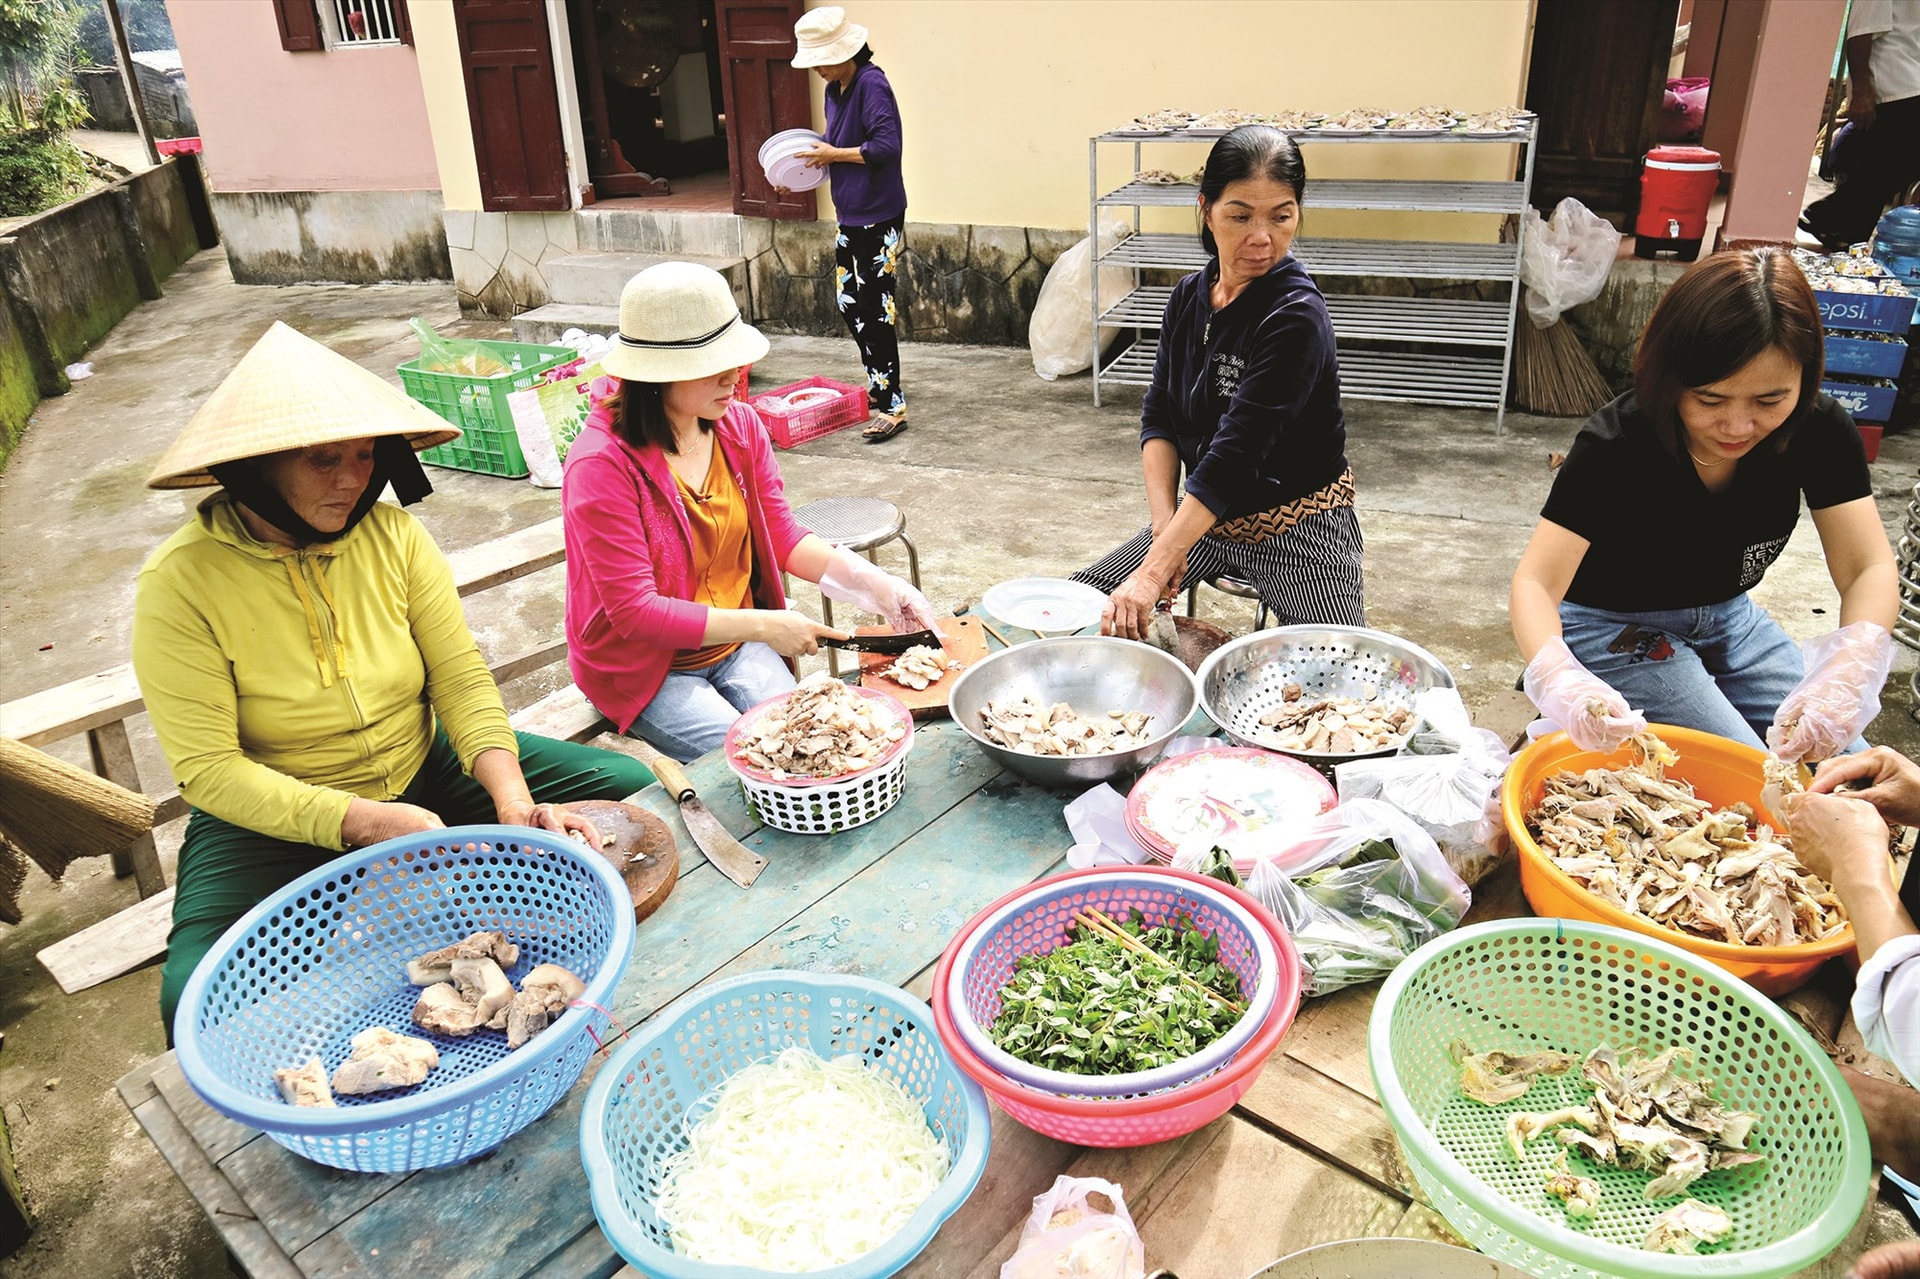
point(861, 155)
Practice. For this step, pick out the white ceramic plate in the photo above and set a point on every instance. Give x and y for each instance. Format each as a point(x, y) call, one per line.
point(785, 139)
point(791, 172)
point(1055, 605)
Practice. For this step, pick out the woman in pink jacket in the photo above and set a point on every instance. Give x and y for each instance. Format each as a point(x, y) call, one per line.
point(678, 529)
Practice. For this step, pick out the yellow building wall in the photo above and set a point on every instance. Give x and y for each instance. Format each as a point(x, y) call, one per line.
point(999, 97)
point(445, 87)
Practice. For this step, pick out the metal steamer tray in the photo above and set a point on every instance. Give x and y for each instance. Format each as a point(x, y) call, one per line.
point(1247, 678)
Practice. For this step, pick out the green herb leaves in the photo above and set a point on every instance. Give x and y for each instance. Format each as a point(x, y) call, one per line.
point(1096, 1006)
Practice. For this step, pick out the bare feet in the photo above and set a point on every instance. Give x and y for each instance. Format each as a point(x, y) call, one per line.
point(1893, 1124)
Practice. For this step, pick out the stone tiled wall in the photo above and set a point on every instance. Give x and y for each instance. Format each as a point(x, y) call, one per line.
point(959, 283)
point(497, 257)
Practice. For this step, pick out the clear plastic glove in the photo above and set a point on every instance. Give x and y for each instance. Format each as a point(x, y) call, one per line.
point(1595, 717)
point(853, 580)
point(1839, 696)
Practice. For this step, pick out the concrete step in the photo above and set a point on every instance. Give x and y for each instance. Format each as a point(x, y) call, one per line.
point(595, 279)
point(545, 324)
point(642, 230)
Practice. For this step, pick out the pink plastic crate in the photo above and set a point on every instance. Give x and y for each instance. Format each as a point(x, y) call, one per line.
point(789, 425)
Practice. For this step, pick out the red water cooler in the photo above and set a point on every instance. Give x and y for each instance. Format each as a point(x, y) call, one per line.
point(1676, 189)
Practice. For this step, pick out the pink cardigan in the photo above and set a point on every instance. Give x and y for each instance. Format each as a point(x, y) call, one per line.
point(630, 556)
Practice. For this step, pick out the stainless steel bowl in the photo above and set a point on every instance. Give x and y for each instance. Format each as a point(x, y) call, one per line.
point(1247, 677)
point(1093, 674)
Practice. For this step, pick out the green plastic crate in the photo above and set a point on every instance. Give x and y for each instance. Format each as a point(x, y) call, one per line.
point(478, 406)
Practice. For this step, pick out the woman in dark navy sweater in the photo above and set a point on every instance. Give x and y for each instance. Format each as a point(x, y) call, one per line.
point(1245, 402)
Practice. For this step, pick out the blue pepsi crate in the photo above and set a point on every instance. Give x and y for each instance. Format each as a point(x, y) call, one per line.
point(1866, 401)
point(1865, 357)
point(1876, 312)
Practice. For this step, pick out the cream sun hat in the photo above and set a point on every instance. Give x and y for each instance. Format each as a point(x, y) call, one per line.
point(679, 322)
point(290, 392)
point(827, 38)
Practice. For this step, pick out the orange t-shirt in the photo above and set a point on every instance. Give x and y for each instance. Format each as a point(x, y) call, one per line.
point(722, 553)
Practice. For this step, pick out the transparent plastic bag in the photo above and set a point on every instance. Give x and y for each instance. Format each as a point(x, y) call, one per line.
point(1564, 261)
point(1365, 888)
point(1060, 334)
point(1068, 1237)
point(454, 355)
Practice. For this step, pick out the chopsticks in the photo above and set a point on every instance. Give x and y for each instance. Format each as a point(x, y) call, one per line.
point(1093, 919)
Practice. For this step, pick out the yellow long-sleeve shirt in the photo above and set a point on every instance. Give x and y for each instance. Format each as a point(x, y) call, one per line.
point(283, 683)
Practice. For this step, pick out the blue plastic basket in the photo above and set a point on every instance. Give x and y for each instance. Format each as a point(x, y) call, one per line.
point(633, 1116)
point(325, 958)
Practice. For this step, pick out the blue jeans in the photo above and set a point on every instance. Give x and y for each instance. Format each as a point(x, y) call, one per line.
point(1722, 669)
point(693, 710)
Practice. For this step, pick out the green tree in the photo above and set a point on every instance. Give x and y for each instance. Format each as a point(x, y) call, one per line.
point(147, 29)
point(39, 45)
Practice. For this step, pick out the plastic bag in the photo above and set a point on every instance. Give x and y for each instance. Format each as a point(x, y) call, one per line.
point(1066, 1237)
point(1448, 782)
point(1564, 261)
point(1060, 333)
point(1364, 888)
point(454, 355)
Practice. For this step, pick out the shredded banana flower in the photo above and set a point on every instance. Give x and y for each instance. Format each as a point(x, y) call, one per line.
point(799, 1164)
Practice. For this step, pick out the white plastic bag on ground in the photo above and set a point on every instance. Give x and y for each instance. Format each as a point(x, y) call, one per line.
point(1068, 1237)
point(1564, 261)
point(1060, 334)
point(536, 438)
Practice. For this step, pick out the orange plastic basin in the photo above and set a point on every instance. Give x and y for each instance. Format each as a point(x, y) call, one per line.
point(1722, 772)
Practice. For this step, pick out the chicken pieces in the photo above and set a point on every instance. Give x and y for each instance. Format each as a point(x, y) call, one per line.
point(823, 729)
point(919, 667)
point(1685, 1228)
point(1335, 725)
point(1648, 845)
point(1495, 1078)
point(1027, 726)
point(382, 1059)
point(305, 1085)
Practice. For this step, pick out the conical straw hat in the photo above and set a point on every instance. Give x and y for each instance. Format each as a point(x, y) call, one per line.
point(290, 392)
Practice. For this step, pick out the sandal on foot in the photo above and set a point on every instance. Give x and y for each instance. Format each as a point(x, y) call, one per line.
point(884, 428)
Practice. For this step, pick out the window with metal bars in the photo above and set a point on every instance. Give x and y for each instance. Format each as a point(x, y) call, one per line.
point(356, 23)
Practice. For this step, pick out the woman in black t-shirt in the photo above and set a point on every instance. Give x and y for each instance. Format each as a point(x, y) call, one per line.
point(1672, 503)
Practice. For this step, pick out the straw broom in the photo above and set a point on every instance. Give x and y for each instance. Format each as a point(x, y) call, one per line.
point(1552, 372)
point(54, 812)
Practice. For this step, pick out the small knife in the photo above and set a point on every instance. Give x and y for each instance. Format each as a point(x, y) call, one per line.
point(894, 644)
point(733, 859)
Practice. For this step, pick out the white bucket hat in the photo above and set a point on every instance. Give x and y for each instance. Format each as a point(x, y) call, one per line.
point(827, 38)
point(679, 322)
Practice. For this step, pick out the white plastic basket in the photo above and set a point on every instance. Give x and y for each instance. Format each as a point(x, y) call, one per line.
point(821, 806)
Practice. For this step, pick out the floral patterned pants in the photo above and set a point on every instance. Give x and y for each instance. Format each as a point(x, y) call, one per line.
point(866, 289)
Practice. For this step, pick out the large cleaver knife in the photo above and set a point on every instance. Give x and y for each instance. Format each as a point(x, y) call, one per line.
point(893, 644)
point(734, 859)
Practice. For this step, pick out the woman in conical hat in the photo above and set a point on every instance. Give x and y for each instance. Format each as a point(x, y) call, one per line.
point(301, 649)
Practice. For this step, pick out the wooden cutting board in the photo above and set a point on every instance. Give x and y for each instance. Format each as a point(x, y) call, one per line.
point(964, 643)
point(642, 850)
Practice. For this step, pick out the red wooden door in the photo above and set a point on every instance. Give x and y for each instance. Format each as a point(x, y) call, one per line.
point(763, 95)
point(507, 58)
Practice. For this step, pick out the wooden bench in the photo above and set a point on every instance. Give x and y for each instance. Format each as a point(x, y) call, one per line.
point(100, 705)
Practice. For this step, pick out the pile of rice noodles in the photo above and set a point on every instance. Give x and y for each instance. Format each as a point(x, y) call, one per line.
point(799, 1164)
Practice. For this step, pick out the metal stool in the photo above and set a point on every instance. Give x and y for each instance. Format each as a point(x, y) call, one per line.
point(1228, 585)
point(859, 524)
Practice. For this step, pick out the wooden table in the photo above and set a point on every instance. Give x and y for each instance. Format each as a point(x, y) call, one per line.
point(1307, 1157)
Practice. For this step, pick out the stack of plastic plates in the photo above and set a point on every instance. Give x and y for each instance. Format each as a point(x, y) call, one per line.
point(1252, 803)
point(780, 160)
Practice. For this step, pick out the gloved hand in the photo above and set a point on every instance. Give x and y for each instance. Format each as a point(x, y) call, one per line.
point(854, 580)
point(1595, 717)
point(1839, 695)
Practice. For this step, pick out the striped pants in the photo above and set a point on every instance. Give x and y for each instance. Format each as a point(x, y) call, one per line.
point(1308, 575)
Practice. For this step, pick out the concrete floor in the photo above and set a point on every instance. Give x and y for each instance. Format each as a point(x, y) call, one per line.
point(1002, 475)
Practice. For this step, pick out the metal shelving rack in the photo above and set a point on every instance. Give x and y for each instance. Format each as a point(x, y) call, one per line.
point(1473, 378)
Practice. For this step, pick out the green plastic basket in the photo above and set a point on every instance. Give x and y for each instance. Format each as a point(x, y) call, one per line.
point(1533, 984)
point(478, 406)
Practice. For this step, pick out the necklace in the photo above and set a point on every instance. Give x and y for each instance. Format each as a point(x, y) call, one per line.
point(1703, 461)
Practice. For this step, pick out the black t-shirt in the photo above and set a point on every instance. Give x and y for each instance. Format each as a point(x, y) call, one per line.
point(1659, 540)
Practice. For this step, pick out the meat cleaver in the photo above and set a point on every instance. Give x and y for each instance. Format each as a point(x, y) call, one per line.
point(894, 644)
point(731, 857)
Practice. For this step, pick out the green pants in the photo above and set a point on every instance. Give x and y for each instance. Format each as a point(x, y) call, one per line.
point(226, 870)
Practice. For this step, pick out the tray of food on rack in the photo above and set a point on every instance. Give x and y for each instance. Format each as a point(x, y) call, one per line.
point(1421, 122)
point(1357, 123)
point(1155, 124)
